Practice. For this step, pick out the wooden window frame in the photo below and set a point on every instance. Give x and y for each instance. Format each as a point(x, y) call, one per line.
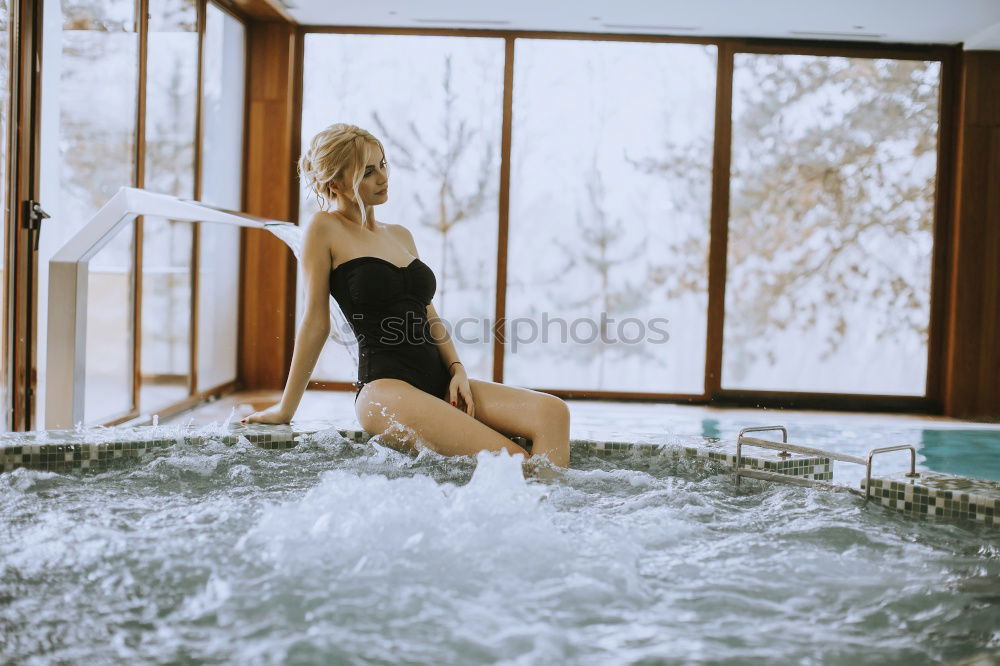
point(194, 395)
point(20, 284)
point(931, 401)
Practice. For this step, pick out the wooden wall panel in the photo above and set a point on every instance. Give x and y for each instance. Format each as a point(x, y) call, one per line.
point(982, 80)
point(268, 278)
point(972, 373)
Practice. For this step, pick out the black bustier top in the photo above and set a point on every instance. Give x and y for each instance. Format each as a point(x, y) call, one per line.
point(386, 306)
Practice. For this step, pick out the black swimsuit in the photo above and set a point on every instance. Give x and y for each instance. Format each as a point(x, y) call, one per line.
point(386, 306)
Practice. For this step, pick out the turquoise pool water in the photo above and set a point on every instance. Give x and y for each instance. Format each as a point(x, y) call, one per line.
point(951, 447)
point(973, 453)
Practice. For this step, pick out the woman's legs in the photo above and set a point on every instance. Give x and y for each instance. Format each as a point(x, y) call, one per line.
point(542, 418)
point(402, 413)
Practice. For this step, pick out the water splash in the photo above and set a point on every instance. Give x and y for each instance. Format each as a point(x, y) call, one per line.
point(334, 552)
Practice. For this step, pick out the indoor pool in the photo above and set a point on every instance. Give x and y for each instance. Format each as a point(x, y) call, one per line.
point(953, 447)
point(335, 552)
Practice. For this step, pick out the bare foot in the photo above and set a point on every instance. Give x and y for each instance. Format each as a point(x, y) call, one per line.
point(272, 416)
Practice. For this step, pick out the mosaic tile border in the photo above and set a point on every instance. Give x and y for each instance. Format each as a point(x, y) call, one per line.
point(932, 494)
point(939, 495)
point(807, 467)
point(65, 450)
point(62, 454)
point(816, 468)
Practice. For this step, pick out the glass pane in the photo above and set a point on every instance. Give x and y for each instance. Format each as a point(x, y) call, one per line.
point(171, 107)
point(830, 224)
point(87, 147)
point(171, 96)
point(222, 180)
point(436, 105)
point(610, 196)
point(5, 62)
point(218, 304)
point(108, 391)
point(166, 312)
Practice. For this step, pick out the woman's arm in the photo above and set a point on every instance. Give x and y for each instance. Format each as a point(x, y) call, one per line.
point(439, 333)
point(460, 393)
point(315, 326)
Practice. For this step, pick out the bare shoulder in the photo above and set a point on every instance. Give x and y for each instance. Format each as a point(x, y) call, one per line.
point(323, 223)
point(321, 237)
point(324, 229)
point(404, 236)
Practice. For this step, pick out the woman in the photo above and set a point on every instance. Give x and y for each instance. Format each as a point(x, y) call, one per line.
point(412, 388)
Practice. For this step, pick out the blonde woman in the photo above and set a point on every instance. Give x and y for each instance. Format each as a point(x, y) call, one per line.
point(412, 388)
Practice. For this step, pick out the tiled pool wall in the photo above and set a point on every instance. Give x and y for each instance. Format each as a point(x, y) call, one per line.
point(67, 450)
point(935, 495)
point(939, 495)
point(806, 467)
point(62, 454)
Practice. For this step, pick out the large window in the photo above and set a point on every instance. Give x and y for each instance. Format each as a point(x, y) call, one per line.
point(830, 224)
point(5, 63)
point(436, 105)
point(171, 108)
point(825, 281)
point(88, 151)
point(821, 283)
point(610, 195)
point(222, 185)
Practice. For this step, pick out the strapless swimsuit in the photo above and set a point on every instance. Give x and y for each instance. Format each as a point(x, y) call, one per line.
point(386, 305)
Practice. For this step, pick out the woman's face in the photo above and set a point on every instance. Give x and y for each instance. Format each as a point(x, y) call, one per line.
point(374, 185)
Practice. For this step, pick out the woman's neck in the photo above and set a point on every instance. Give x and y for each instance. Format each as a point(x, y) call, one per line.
point(353, 215)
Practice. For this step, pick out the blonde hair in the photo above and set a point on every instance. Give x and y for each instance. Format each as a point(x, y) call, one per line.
point(337, 152)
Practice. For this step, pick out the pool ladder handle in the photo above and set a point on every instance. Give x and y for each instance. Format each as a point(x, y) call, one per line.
point(912, 474)
point(785, 447)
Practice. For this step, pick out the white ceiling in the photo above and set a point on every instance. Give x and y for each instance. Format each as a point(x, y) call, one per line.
point(976, 23)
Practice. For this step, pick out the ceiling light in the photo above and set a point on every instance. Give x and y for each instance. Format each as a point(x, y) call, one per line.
point(463, 21)
point(639, 26)
point(823, 33)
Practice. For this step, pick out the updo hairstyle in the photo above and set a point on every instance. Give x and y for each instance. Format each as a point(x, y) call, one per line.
point(337, 152)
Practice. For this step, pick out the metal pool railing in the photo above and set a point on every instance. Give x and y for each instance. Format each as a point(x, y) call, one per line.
point(68, 271)
point(786, 449)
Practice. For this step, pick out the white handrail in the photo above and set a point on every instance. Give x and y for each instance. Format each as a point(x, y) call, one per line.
point(68, 270)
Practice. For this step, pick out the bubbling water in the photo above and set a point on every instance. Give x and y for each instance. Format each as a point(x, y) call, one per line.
point(338, 552)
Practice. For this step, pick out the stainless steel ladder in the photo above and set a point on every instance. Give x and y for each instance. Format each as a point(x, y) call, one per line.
point(787, 449)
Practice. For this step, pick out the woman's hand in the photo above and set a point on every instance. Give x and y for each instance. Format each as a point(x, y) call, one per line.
point(460, 393)
point(271, 415)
